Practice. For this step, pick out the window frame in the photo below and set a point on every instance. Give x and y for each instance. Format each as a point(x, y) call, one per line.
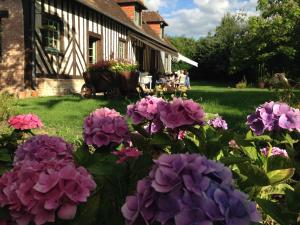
point(138, 19)
point(167, 64)
point(45, 34)
point(98, 45)
point(124, 53)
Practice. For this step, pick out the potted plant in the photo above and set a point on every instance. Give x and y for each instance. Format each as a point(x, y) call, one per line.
point(127, 74)
point(262, 82)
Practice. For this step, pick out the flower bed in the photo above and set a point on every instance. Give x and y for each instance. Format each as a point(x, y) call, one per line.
point(164, 162)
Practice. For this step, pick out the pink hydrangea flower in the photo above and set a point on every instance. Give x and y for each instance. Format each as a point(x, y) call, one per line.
point(180, 112)
point(105, 126)
point(275, 152)
point(25, 122)
point(144, 110)
point(39, 191)
point(43, 147)
point(126, 154)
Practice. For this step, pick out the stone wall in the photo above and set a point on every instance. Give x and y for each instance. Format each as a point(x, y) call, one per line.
point(56, 87)
point(12, 64)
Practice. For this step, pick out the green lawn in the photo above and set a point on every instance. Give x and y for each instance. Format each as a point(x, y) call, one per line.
point(63, 116)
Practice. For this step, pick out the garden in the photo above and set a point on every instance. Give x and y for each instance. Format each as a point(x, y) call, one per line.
point(216, 156)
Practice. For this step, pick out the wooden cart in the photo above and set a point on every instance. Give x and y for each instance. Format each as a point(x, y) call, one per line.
point(111, 84)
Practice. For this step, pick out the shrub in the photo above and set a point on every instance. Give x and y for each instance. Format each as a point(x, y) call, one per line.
point(8, 106)
point(242, 84)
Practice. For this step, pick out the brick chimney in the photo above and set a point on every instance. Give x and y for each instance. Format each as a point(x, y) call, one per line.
point(131, 8)
point(155, 22)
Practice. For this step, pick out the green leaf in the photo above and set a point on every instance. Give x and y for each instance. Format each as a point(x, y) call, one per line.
point(278, 189)
point(273, 210)
point(251, 137)
point(231, 160)
point(140, 142)
point(279, 176)
point(255, 175)
point(161, 139)
point(82, 155)
point(278, 162)
point(251, 152)
point(141, 130)
point(178, 147)
point(88, 212)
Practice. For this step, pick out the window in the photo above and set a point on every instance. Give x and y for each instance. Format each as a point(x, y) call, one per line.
point(95, 48)
point(52, 32)
point(137, 17)
point(92, 50)
point(167, 64)
point(162, 32)
point(122, 49)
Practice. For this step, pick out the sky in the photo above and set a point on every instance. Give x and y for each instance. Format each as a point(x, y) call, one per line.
point(195, 18)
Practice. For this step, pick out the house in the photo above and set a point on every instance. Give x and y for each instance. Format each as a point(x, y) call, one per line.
point(48, 44)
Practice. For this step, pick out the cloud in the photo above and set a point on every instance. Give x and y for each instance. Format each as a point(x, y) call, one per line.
point(155, 5)
point(202, 18)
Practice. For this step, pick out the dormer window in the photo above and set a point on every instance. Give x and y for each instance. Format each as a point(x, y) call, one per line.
point(138, 17)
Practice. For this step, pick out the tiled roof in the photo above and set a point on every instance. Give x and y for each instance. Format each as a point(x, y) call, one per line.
point(111, 9)
point(152, 16)
point(140, 2)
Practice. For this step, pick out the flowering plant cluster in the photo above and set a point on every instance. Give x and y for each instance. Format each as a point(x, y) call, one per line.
point(105, 126)
point(174, 114)
point(218, 123)
point(121, 65)
point(275, 151)
point(44, 147)
point(44, 182)
point(185, 186)
point(145, 111)
point(188, 189)
point(180, 112)
point(274, 116)
point(25, 122)
point(38, 191)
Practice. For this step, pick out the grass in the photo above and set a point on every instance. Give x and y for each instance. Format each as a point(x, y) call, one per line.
point(63, 116)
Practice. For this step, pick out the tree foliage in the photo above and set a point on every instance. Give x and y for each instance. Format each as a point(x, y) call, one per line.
point(241, 46)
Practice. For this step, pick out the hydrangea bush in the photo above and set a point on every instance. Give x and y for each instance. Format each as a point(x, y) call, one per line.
point(41, 191)
point(162, 163)
point(274, 116)
point(188, 189)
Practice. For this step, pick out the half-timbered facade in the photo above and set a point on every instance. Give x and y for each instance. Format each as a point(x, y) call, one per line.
point(59, 39)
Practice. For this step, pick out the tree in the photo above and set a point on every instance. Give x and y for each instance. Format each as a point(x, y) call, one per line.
point(187, 47)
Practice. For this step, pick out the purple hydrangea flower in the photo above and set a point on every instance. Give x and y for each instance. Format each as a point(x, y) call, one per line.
point(275, 151)
point(188, 189)
point(274, 116)
point(218, 123)
point(43, 147)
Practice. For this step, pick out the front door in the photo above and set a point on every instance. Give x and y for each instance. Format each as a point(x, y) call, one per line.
point(139, 53)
